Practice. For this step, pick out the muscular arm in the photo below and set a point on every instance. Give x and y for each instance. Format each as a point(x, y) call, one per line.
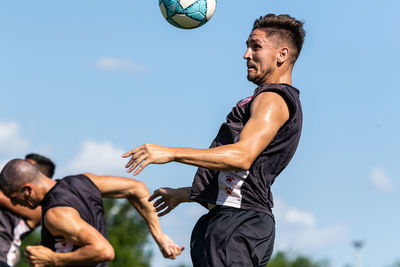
point(268, 113)
point(32, 217)
point(66, 222)
point(137, 194)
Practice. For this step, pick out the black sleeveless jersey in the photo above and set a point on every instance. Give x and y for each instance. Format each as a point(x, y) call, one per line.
point(251, 189)
point(13, 229)
point(80, 193)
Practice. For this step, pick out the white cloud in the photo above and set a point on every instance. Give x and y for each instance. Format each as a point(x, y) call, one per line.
point(294, 216)
point(98, 157)
point(119, 65)
point(298, 230)
point(10, 140)
point(381, 181)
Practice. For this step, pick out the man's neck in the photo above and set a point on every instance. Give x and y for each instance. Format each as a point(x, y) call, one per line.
point(46, 185)
point(279, 78)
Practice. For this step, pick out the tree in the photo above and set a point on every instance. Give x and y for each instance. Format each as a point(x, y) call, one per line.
point(32, 239)
point(127, 232)
point(281, 259)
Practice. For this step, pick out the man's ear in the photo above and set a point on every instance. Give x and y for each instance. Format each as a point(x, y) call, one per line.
point(283, 55)
point(27, 190)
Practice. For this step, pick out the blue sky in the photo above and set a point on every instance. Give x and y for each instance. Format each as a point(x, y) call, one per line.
point(84, 82)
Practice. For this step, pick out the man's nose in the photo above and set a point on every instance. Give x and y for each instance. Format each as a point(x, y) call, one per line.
point(247, 54)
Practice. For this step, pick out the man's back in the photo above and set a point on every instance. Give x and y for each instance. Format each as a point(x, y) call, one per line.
point(80, 193)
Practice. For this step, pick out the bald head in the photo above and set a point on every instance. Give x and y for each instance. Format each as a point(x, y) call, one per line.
point(16, 173)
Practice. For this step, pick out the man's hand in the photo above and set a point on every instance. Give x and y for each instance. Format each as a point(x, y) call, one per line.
point(39, 256)
point(168, 248)
point(169, 198)
point(147, 154)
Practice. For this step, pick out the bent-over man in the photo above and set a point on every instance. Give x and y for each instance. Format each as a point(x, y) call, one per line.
point(73, 222)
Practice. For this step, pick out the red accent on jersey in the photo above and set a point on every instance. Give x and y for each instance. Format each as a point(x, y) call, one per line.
point(245, 101)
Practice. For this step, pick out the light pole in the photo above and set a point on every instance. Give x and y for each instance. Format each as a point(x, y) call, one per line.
point(358, 244)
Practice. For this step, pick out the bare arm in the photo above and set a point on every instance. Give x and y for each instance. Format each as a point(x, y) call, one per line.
point(137, 194)
point(32, 217)
point(66, 222)
point(169, 198)
point(268, 113)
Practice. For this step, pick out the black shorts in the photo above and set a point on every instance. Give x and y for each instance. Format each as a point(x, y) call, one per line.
point(3, 264)
point(232, 237)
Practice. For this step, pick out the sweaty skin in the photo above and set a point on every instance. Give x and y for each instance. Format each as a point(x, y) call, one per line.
point(268, 61)
point(32, 217)
point(268, 113)
point(66, 222)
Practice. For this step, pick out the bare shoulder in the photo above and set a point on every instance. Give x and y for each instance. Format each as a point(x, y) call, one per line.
point(271, 104)
point(59, 219)
point(269, 98)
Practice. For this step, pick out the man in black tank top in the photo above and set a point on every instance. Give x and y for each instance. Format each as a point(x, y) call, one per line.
point(16, 222)
point(252, 147)
point(73, 223)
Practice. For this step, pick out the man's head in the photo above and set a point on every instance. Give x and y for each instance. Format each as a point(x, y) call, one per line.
point(45, 165)
point(18, 181)
point(273, 47)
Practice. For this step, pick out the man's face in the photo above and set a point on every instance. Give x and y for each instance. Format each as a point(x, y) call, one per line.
point(23, 197)
point(261, 57)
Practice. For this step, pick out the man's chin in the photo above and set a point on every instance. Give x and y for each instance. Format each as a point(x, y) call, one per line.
point(252, 78)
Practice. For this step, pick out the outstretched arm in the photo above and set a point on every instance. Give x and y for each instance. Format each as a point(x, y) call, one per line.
point(268, 113)
point(66, 222)
point(169, 198)
point(32, 217)
point(137, 194)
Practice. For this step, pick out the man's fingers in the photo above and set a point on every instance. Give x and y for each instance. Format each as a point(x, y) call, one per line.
point(130, 162)
point(154, 195)
point(164, 212)
point(130, 152)
point(161, 207)
point(137, 157)
point(136, 163)
point(158, 202)
point(127, 154)
point(178, 250)
point(141, 167)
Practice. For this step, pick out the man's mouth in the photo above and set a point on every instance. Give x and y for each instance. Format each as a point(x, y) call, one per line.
point(249, 66)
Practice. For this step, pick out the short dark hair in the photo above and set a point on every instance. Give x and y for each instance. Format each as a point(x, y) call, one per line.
point(285, 28)
point(44, 164)
point(16, 173)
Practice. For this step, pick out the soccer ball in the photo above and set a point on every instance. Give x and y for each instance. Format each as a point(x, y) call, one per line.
point(187, 14)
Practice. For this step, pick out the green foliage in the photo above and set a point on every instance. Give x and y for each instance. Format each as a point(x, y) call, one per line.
point(281, 259)
point(127, 232)
point(32, 239)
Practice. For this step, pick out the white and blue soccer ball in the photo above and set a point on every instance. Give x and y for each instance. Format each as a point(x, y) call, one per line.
point(187, 14)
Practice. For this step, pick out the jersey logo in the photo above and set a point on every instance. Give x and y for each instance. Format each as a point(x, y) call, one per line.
point(229, 179)
point(229, 190)
point(245, 101)
point(62, 246)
